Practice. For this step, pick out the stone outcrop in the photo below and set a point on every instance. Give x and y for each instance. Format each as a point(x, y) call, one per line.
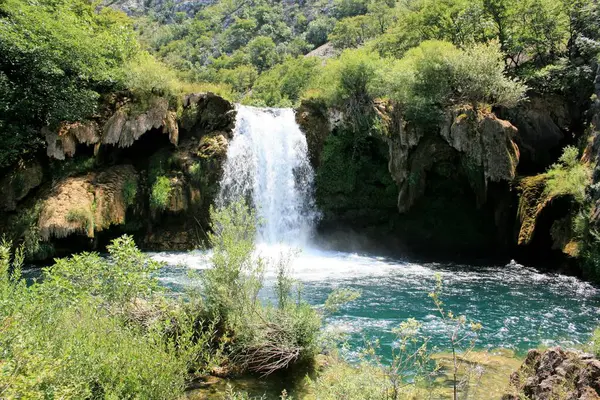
point(15, 186)
point(592, 153)
point(543, 125)
point(556, 374)
point(206, 112)
point(314, 120)
point(103, 194)
point(531, 204)
point(86, 205)
point(483, 144)
point(123, 128)
point(64, 143)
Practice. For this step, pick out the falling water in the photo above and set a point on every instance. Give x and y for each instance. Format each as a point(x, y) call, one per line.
point(267, 165)
point(518, 307)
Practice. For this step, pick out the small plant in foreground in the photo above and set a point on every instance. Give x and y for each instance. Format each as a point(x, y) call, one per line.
point(462, 335)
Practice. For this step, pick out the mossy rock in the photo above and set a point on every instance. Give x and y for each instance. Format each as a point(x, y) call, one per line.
point(532, 200)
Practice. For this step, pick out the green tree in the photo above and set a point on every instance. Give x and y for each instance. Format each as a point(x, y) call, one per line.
point(318, 30)
point(57, 57)
point(262, 52)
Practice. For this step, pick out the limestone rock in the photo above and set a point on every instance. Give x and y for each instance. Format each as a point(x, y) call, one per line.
point(64, 143)
point(480, 142)
point(531, 204)
point(68, 210)
point(556, 373)
point(484, 139)
point(121, 129)
point(124, 128)
point(16, 185)
point(110, 193)
point(86, 204)
point(592, 153)
point(542, 123)
point(206, 112)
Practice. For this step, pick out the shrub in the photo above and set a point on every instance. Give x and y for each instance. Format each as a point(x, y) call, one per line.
point(569, 176)
point(161, 193)
point(284, 84)
point(352, 76)
point(318, 30)
point(436, 74)
point(125, 276)
point(130, 189)
point(265, 338)
point(262, 52)
point(66, 336)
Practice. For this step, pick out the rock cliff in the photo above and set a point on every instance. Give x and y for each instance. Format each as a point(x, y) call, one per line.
point(144, 166)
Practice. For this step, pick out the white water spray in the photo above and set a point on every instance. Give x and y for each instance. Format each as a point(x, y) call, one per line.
point(267, 165)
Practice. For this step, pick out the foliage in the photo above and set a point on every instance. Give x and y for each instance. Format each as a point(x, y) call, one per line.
point(130, 190)
point(437, 74)
point(264, 338)
point(594, 345)
point(161, 193)
point(262, 52)
point(463, 335)
point(337, 298)
point(125, 276)
point(318, 30)
point(66, 336)
point(284, 84)
point(58, 56)
point(568, 176)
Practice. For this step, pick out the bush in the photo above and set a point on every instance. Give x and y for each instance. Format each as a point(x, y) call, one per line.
point(436, 75)
point(66, 337)
point(161, 193)
point(284, 84)
point(352, 76)
point(265, 338)
point(318, 30)
point(569, 176)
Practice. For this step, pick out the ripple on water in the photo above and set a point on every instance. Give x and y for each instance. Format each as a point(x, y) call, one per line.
point(519, 307)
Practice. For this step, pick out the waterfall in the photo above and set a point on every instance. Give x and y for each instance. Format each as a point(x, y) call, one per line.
point(267, 165)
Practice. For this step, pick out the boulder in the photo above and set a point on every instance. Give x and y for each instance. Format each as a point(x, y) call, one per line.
point(86, 205)
point(481, 142)
point(556, 373)
point(15, 186)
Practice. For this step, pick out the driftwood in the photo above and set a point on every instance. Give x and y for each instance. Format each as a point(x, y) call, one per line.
point(274, 350)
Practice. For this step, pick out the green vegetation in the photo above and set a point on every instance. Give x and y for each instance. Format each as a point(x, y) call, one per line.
point(161, 193)
point(569, 176)
point(130, 191)
point(97, 327)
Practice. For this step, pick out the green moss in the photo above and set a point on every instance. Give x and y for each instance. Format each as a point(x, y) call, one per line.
point(532, 200)
point(130, 189)
point(353, 182)
point(161, 193)
point(85, 219)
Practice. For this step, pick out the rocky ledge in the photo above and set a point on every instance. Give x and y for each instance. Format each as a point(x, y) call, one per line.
point(556, 374)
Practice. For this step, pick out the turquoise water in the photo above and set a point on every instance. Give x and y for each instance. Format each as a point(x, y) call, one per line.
point(519, 307)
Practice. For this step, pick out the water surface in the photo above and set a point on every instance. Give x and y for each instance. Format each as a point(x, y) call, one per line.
point(519, 307)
